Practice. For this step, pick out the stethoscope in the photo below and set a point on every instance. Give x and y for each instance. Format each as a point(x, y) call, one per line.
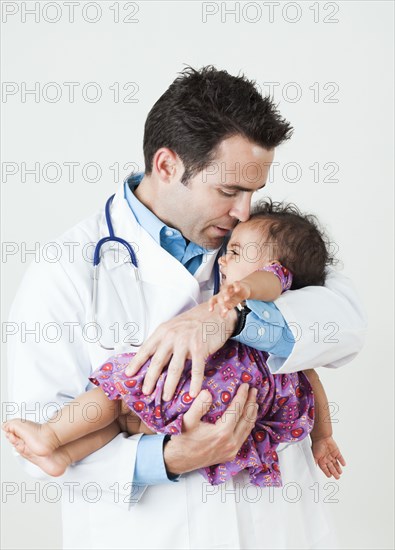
point(134, 264)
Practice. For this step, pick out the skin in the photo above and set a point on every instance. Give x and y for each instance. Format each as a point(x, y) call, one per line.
point(54, 446)
point(214, 198)
point(264, 286)
point(208, 199)
point(218, 197)
point(246, 252)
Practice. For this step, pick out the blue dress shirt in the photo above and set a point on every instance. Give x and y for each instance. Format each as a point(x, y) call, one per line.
point(265, 329)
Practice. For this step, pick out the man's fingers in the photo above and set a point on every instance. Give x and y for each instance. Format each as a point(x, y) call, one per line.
point(158, 362)
point(197, 410)
point(174, 371)
point(246, 423)
point(248, 417)
point(197, 373)
point(141, 357)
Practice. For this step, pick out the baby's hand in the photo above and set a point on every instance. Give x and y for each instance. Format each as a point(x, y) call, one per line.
point(229, 296)
point(328, 457)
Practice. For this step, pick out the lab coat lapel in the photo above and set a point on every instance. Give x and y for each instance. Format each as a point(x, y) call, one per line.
point(205, 275)
point(154, 262)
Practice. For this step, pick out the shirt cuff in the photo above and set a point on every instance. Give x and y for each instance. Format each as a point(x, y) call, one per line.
point(267, 330)
point(150, 466)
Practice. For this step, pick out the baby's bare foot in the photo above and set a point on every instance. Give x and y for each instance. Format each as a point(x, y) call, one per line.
point(40, 439)
point(54, 464)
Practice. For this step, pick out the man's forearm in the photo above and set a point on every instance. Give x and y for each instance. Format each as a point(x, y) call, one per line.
point(175, 461)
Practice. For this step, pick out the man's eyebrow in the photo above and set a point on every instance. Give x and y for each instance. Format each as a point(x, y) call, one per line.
point(235, 187)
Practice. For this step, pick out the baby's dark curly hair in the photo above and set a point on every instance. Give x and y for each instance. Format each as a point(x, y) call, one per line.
point(299, 242)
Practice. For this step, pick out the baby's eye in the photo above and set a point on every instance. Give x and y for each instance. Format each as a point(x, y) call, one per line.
point(232, 252)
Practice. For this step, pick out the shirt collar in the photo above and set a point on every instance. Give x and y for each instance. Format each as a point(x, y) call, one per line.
point(147, 219)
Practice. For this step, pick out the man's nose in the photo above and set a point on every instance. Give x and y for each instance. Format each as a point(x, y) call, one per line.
point(241, 210)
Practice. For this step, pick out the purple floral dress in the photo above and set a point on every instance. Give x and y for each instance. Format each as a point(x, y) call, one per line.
point(285, 414)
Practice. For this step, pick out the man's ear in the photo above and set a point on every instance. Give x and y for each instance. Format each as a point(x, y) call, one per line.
point(167, 165)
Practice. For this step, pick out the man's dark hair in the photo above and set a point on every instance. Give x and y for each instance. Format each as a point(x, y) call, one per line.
point(203, 107)
point(297, 240)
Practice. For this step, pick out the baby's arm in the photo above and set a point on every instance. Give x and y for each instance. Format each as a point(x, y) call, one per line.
point(325, 451)
point(260, 285)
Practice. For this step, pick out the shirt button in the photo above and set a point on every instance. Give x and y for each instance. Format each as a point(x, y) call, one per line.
point(169, 232)
point(261, 331)
point(266, 314)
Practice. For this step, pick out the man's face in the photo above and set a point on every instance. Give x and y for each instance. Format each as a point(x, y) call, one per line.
point(210, 206)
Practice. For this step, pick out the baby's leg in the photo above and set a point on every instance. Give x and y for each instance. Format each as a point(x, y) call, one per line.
point(90, 412)
point(56, 463)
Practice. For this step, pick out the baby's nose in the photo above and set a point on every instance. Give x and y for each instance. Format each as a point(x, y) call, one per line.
point(221, 260)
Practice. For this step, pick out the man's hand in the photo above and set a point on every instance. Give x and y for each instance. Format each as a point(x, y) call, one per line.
point(328, 457)
point(229, 296)
point(202, 444)
point(194, 334)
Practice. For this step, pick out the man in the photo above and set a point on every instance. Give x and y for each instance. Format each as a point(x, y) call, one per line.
point(208, 144)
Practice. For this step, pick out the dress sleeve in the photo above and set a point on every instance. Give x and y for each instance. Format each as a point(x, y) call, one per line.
point(282, 273)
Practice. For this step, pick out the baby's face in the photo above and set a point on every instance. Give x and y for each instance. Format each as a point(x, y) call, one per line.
point(245, 253)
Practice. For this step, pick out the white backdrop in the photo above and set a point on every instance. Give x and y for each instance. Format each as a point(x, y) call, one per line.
point(77, 86)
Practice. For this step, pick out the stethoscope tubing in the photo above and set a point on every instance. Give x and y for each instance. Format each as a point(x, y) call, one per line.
point(96, 266)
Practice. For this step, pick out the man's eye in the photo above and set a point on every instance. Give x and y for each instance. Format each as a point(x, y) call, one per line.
point(227, 194)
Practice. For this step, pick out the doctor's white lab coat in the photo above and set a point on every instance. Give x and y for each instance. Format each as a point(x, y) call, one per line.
point(96, 507)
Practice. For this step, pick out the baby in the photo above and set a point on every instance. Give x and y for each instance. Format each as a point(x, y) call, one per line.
point(291, 254)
